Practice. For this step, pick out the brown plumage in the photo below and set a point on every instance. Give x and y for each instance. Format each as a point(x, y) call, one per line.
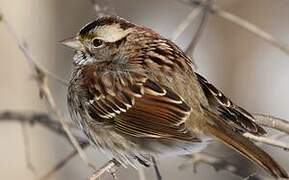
point(135, 95)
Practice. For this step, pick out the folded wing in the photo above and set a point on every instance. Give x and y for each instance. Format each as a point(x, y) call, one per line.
point(237, 117)
point(139, 107)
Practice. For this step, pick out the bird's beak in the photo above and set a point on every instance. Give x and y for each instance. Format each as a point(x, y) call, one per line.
point(72, 42)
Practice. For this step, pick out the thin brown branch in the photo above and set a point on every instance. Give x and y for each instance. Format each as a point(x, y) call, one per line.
point(27, 151)
point(186, 22)
point(42, 119)
point(156, 168)
point(41, 79)
point(248, 26)
point(141, 173)
point(110, 167)
point(268, 141)
point(63, 127)
point(62, 163)
point(45, 120)
point(204, 21)
point(272, 122)
point(49, 98)
point(217, 163)
point(32, 117)
point(263, 120)
point(23, 47)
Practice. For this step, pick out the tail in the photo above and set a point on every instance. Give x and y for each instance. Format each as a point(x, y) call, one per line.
point(222, 131)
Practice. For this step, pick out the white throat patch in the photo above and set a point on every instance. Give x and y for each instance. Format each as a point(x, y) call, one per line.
point(81, 58)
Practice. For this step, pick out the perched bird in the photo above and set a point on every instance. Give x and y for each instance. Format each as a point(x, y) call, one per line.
point(135, 95)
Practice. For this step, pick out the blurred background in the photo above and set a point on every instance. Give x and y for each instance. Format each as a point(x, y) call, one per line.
point(249, 70)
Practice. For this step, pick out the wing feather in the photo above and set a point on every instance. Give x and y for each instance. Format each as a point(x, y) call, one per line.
point(239, 118)
point(139, 107)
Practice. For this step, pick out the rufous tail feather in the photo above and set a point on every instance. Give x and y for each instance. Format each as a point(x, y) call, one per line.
point(222, 131)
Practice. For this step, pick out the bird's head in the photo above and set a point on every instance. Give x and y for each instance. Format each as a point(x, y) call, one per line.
point(112, 41)
point(99, 40)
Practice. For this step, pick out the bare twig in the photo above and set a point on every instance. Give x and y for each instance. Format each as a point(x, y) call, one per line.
point(156, 168)
point(220, 164)
point(185, 23)
point(63, 128)
point(43, 119)
point(26, 143)
point(188, 20)
point(272, 122)
point(255, 177)
point(268, 141)
point(45, 92)
point(141, 173)
point(62, 163)
point(217, 163)
point(48, 122)
point(204, 20)
point(247, 26)
point(110, 166)
point(279, 135)
point(32, 117)
point(23, 47)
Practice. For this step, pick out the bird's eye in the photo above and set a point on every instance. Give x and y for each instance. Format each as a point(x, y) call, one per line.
point(97, 42)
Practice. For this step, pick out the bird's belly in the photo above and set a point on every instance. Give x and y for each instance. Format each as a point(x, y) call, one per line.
point(111, 141)
point(162, 147)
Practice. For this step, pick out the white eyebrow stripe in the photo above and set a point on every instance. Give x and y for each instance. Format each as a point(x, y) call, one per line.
point(111, 33)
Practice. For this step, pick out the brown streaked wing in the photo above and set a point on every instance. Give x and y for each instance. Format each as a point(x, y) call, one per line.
point(159, 113)
point(239, 119)
point(140, 108)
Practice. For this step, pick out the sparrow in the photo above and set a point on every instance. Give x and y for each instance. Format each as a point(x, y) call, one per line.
point(135, 95)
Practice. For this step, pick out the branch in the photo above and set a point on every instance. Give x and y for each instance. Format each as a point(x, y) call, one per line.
point(272, 122)
point(247, 26)
point(40, 75)
point(269, 141)
point(63, 162)
point(110, 166)
point(47, 121)
point(41, 79)
point(221, 164)
point(141, 173)
point(201, 28)
point(156, 168)
point(27, 153)
point(29, 117)
point(185, 23)
point(217, 163)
